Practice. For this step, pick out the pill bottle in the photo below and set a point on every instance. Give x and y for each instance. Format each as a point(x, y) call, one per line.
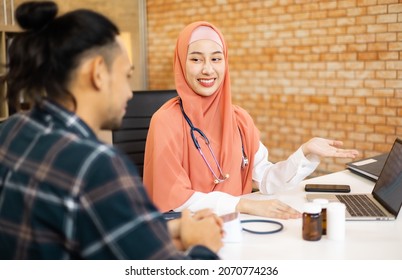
point(336, 221)
point(324, 203)
point(312, 223)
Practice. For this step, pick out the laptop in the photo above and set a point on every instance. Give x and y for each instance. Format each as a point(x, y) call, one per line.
point(384, 203)
point(368, 167)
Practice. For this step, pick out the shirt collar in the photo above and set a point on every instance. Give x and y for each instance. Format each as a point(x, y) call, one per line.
point(69, 120)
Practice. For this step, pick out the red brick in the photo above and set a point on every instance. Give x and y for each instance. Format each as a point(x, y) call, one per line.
point(357, 29)
point(375, 28)
point(357, 47)
point(327, 5)
point(384, 93)
point(366, 110)
point(393, 83)
point(354, 11)
point(395, 46)
point(378, 46)
point(388, 18)
point(395, 121)
point(386, 111)
point(363, 92)
point(367, 56)
point(376, 138)
point(365, 38)
point(375, 101)
point(376, 65)
point(329, 57)
point(345, 39)
point(374, 83)
point(337, 117)
point(327, 22)
point(364, 128)
point(394, 65)
point(356, 136)
point(386, 37)
point(388, 55)
point(355, 100)
point(346, 127)
point(364, 74)
point(378, 9)
point(366, 2)
point(383, 147)
point(364, 146)
point(386, 75)
point(365, 20)
point(340, 48)
point(395, 27)
point(395, 8)
point(320, 14)
point(346, 21)
point(384, 129)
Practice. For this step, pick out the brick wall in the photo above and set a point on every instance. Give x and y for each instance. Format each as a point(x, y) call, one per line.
point(301, 68)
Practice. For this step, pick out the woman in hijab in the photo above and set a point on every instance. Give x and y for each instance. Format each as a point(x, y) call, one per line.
point(204, 152)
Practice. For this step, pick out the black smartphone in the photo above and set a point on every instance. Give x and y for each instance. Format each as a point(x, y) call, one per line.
point(327, 188)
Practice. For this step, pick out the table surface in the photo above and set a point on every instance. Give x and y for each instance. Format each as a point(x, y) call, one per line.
point(363, 240)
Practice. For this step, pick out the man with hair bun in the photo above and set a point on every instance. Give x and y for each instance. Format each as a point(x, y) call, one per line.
point(63, 193)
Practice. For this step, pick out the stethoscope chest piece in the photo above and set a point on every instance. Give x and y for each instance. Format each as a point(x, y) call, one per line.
point(244, 161)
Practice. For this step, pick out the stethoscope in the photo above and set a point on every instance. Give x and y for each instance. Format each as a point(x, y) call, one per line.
point(222, 177)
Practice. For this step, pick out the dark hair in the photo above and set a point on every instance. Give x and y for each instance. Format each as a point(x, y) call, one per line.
point(41, 59)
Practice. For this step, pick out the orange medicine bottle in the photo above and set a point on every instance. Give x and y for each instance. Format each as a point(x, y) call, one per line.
point(312, 222)
point(324, 203)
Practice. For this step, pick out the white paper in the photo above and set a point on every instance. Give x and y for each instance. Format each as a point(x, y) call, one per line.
point(364, 162)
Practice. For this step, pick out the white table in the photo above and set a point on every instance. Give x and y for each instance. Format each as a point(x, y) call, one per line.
point(363, 240)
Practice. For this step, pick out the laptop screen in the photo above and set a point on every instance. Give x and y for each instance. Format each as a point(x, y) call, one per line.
point(388, 189)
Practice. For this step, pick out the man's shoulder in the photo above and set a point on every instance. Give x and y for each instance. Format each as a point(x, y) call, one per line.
point(46, 144)
point(79, 149)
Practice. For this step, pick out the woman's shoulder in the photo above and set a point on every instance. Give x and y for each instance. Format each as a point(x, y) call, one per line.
point(167, 118)
point(242, 115)
point(169, 109)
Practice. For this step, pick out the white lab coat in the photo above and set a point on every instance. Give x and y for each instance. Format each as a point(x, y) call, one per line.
point(268, 176)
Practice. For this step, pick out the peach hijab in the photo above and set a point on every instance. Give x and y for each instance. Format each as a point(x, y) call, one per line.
point(173, 167)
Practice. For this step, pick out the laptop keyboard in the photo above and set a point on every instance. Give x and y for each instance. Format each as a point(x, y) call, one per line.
point(360, 205)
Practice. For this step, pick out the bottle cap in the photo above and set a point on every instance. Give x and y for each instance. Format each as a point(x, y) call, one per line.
point(321, 201)
point(339, 207)
point(312, 208)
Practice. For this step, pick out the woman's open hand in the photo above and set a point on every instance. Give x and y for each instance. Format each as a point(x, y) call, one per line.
point(327, 148)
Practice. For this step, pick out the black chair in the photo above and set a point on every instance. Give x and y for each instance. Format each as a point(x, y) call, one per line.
point(130, 138)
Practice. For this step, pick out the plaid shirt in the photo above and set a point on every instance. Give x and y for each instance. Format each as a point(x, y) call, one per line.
point(66, 195)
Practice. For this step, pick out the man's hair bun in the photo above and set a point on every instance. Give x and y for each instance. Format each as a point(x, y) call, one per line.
point(36, 15)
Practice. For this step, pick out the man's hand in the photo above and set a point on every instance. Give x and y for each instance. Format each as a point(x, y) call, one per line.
point(201, 228)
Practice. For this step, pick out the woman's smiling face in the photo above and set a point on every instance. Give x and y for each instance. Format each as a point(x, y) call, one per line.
point(205, 67)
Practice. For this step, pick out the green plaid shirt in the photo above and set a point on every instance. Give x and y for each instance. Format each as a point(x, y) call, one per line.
point(66, 195)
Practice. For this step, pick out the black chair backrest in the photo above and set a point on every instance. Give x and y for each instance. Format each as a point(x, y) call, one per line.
point(130, 138)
